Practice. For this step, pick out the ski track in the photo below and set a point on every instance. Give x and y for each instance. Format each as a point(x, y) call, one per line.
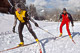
point(49, 43)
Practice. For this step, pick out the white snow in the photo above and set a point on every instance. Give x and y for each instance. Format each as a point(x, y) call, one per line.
point(49, 44)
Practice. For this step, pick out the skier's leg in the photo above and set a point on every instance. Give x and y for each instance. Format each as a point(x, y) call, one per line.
point(31, 31)
point(62, 24)
point(67, 27)
point(34, 35)
point(20, 28)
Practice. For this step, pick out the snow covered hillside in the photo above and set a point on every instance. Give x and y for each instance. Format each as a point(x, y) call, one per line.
point(49, 43)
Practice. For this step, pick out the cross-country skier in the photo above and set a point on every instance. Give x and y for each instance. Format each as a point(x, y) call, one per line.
point(66, 19)
point(24, 19)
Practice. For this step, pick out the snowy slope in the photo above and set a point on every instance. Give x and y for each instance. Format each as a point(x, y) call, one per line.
point(49, 43)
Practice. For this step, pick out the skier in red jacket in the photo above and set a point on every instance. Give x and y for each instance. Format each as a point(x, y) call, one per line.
point(66, 19)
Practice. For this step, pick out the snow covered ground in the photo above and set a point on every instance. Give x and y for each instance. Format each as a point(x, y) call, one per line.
point(49, 43)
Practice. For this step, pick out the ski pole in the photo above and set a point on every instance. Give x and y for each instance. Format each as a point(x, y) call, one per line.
point(57, 26)
point(46, 31)
point(72, 29)
point(73, 33)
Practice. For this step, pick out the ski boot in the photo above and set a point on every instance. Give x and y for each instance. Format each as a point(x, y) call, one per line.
point(21, 44)
point(70, 36)
point(60, 35)
point(37, 41)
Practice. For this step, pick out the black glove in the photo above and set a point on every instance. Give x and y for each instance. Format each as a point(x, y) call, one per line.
point(36, 25)
point(72, 25)
point(13, 29)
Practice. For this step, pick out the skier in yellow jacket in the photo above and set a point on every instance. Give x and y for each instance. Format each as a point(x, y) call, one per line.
point(24, 18)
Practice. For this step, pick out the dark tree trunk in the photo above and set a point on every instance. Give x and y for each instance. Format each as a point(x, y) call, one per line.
point(4, 6)
point(3, 10)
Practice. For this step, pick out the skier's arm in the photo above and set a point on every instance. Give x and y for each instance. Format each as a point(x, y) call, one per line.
point(15, 23)
point(29, 18)
point(34, 22)
point(71, 19)
point(60, 16)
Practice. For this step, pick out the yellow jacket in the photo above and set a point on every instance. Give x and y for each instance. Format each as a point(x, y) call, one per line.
point(20, 15)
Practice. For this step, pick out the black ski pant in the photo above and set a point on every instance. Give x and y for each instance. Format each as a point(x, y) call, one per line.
point(20, 29)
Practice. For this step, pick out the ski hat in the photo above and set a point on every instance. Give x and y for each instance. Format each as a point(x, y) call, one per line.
point(64, 9)
point(18, 6)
